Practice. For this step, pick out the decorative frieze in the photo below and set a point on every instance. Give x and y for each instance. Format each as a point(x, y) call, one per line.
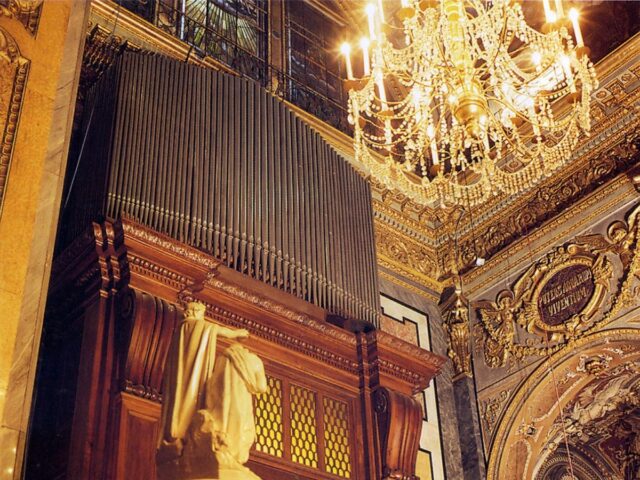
point(13, 77)
point(455, 320)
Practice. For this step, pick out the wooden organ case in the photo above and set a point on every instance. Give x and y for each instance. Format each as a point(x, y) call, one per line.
point(291, 260)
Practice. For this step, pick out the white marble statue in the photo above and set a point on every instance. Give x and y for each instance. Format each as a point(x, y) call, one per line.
point(207, 426)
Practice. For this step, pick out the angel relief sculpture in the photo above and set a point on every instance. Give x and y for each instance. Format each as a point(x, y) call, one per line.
point(575, 289)
point(500, 319)
point(207, 426)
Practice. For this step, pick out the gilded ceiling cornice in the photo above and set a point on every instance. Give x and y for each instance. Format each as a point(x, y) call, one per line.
point(614, 116)
point(550, 200)
point(576, 218)
point(392, 278)
point(409, 227)
point(406, 256)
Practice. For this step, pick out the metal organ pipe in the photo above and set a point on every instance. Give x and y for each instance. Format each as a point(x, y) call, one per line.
point(219, 163)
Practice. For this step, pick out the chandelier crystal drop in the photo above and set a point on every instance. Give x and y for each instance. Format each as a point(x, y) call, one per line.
point(460, 99)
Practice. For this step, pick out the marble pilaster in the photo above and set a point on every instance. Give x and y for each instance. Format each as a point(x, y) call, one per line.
point(31, 205)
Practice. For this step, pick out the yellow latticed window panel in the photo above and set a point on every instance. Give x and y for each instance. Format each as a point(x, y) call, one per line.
point(268, 418)
point(336, 438)
point(304, 441)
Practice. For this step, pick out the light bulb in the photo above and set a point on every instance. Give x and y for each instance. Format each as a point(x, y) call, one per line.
point(573, 15)
point(345, 48)
point(536, 57)
point(371, 13)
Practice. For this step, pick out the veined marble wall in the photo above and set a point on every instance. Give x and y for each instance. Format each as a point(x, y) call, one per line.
point(40, 51)
point(423, 323)
point(412, 325)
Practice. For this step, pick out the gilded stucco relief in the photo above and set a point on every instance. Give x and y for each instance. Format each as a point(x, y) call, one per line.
point(26, 12)
point(574, 290)
point(586, 399)
point(13, 76)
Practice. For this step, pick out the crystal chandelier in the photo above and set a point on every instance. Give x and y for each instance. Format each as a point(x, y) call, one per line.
point(467, 96)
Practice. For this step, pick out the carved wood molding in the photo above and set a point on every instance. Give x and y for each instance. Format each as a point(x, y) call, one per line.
point(406, 361)
point(399, 419)
point(134, 277)
point(13, 78)
point(146, 323)
point(150, 270)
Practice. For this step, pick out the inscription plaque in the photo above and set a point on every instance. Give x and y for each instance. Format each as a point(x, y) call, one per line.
point(565, 294)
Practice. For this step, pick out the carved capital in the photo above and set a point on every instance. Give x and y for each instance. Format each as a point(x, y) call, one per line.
point(399, 419)
point(455, 317)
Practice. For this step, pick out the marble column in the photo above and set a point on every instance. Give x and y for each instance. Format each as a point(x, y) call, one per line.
point(38, 107)
point(473, 464)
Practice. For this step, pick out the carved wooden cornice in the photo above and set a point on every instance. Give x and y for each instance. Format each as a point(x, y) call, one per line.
point(396, 355)
point(152, 270)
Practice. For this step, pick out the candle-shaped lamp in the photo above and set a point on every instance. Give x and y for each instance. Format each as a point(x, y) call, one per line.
point(431, 133)
point(381, 10)
point(371, 16)
point(559, 9)
point(345, 48)
point(573, 15)
point(566, 66)
point(550, 15)
point(381, 92)
point(364, 44)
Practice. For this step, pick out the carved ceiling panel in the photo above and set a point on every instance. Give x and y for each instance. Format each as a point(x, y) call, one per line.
point(26, 12)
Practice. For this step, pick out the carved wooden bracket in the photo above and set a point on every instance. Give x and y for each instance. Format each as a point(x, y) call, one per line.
point(399, 419)
point(146, 323)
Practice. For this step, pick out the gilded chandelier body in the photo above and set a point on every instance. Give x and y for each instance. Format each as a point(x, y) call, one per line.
point(467, 96)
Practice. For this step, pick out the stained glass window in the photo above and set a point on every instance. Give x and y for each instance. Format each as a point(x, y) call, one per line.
point(314, 63)
point(231, 31)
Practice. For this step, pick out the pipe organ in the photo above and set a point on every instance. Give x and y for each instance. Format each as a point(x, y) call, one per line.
point(217, 162)
point(193, 183)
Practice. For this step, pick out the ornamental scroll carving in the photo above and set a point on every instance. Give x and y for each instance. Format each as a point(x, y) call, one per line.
point(564, 295)
point(405, 252)
point(26, 12)
point(13, 76)
point(399, 419)
point(455, 316)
